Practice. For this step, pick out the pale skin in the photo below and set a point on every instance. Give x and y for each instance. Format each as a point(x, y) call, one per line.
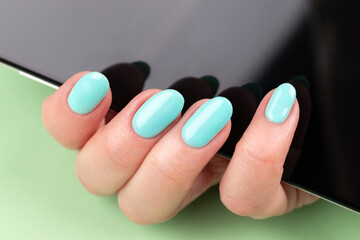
point(155, 178)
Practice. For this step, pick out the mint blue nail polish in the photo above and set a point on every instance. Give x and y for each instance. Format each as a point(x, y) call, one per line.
point(280, 103)
point(88, 92)
point(157, 113)
point(207, 122)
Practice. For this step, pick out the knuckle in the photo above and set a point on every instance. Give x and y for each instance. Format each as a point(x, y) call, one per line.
point(238, 205)
point(170, 171)
point(248, 151)
point(85, 184)
point(134, 213)
point(112, 150)
point(242, 205)
point(255, 154)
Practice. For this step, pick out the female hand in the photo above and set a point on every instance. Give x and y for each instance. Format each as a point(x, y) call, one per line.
point(158, 161)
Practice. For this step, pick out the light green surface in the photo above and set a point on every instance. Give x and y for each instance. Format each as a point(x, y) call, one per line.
point(40, 197)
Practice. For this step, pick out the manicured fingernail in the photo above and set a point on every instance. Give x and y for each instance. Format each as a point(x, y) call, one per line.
point(207, 122)
point(88, 92)
point(280, 103)
point(157, 113)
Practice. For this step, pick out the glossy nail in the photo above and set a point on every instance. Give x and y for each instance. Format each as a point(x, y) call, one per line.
point(207, 122)
point(88, 92)
point(157, 113)
point(280, 103)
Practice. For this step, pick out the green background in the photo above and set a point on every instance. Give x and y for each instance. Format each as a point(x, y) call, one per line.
point(41, 198)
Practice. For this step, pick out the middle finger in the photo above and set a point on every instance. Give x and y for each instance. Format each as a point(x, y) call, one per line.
point(158, 188)
point(116, 151)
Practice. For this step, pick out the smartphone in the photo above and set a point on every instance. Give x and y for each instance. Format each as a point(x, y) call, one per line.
point(265, 41)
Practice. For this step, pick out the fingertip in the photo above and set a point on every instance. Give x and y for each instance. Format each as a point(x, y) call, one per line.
point(70, 128)
point(280, 104)
point(286, 119)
